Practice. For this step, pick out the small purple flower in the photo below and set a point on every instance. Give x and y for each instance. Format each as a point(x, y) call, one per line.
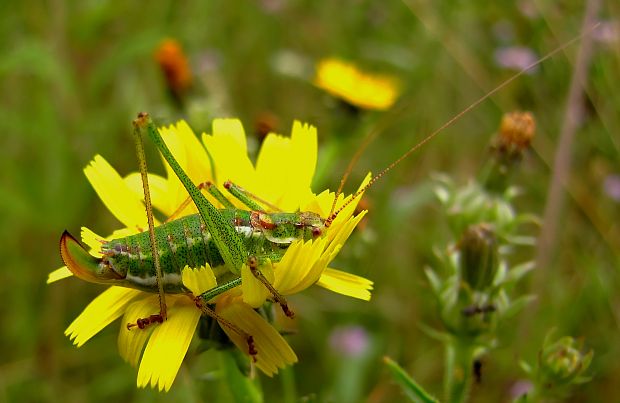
point(520, 388)
point(272, 6)
point(350, 341)
point(608, 32)
point(516, 58)
point(611, 187)
point(528, 8)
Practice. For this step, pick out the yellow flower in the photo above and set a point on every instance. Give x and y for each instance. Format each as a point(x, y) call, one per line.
point(167, 343)
point(367, 91)
point(282, 176)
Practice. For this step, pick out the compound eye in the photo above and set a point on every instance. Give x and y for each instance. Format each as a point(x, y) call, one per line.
point(316, 232)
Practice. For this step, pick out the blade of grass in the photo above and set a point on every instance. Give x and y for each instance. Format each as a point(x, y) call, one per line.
point(411, 388)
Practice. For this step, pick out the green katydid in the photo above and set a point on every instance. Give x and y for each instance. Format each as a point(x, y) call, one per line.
point(226, 237)
point(229, 237)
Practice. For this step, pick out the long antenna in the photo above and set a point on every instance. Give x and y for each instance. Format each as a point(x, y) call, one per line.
point(378, 128)
point(447, 124)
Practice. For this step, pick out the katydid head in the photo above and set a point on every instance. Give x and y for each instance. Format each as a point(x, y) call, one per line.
point(85, 266)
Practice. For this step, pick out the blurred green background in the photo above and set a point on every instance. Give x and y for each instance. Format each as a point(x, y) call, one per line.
point(74, 74)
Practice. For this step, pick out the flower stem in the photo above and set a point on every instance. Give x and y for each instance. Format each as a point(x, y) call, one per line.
point(458, 368)
point(289, 390)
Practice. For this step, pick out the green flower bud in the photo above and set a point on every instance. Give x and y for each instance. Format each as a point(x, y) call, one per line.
point(479, 259)
point(562, 363)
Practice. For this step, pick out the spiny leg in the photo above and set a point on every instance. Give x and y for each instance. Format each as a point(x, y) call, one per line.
point(207, 311)
point(253, 265)
point(201, 302)
point(141, 323)
point(248, 198)
point(157, 318)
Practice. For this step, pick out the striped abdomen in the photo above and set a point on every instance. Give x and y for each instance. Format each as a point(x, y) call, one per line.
point(187, 241)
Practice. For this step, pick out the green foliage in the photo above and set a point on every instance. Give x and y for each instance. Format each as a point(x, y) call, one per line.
point(411, 389)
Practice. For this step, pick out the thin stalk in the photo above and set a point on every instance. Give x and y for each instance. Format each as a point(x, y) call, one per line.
point(289, 389)
point(573, 115)
point(458, 369)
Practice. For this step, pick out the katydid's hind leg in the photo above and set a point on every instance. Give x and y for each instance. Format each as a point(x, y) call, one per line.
point(248, 198)
point(207, 311)
point(253, 264)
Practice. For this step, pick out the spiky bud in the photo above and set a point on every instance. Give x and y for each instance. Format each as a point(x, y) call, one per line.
point(479, 258)
point(561, 363)
point(516, 130)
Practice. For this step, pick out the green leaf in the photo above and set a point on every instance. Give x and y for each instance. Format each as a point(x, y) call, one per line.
point(412, 390)
point(434, 281)
point(517, 305)
point(516, 273)
point(434, 334)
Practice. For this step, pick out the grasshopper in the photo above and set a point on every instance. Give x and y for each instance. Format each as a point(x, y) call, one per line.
point(226, 239)
point(152, 261)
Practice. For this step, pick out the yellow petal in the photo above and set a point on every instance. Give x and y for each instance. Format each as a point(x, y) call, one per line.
point(131, 342)
point(340, 232)
point(168, 345)
point(192, 157)
point(274, 170)
point(227, 148)
point(92, 240)
point(115, 194)
point(304, 149)
point(346, 284)
point(254, 292)
point(320, 204)
point(273, 352)
point(231, 128)
point(285, 167)
point(301, 266)
point(285, 278)
point(158, 187)
point(59, 274)
point(108, 306)
point(348, 211)
point(199, 280)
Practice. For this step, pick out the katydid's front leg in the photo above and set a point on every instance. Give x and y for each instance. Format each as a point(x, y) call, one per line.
point(157, 318)
point(229, 243)
point(253, 264)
